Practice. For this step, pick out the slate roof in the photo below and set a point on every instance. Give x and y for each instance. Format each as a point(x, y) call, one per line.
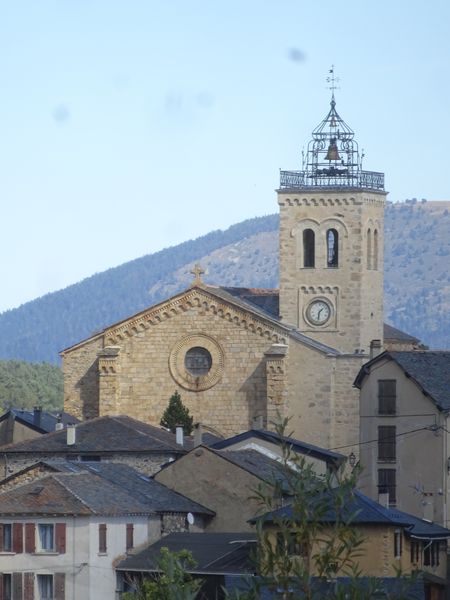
point(301, 447)
point(429, 369)
point(392, 333)
point(214, 553)
point(362, 510)
point(41, 421)
point(254, 462)
point(156, 495)
point(94, 488)
point(103, 435)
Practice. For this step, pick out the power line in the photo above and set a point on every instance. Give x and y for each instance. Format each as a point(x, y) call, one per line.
point(428, 428)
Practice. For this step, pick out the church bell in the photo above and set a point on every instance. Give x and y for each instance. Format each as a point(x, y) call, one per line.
point(332, 152)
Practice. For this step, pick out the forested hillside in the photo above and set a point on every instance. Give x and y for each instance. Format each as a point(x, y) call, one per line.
point(417, 281)
point(25, 385)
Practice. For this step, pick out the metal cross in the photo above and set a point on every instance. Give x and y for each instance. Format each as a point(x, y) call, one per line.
point(197, 271)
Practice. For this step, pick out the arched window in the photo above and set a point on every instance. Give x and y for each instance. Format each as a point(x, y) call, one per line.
point(375, 249)
point(332, 248)
point(369, 249)
point(308, 248)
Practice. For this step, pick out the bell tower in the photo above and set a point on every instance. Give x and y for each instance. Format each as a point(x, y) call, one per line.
point(331, 240)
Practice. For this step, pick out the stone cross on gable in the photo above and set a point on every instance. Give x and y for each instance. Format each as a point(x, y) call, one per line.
point(197, 271)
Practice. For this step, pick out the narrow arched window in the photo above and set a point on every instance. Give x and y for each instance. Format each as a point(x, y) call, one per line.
point(332, 248)
point(369, 249)
point(308, 248)
point(375, 249)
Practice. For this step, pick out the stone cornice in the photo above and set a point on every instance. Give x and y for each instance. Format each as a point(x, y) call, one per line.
point(195, 297)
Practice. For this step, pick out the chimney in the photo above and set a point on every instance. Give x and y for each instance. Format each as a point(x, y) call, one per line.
point(198, 435)
point(37, 411)
point(180, 435)
point(375, 348)
point(59, 425)
point(71, 437)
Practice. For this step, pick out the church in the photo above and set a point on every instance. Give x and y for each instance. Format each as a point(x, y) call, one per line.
point(240, 356)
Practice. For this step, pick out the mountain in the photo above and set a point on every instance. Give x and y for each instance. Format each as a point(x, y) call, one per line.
point(417, 282)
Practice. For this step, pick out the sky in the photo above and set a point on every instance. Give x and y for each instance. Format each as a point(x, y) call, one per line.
point(128, 127)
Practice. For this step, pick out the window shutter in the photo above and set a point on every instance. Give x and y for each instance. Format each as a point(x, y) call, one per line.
point(60, 586)
point(17, 584)
point(102, 538)
point(30, 543)
point(2, 546)
point(60, 537)
point(18, 538)
point(1, 587)
point(28, 586)
point(130, 532)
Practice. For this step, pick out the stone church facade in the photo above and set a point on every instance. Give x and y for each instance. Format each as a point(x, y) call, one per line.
point(235, 354)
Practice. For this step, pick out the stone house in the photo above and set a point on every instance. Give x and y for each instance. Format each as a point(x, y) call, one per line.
point(405, 451)
point(393, 542)
point(111, 438)
point(61, 535)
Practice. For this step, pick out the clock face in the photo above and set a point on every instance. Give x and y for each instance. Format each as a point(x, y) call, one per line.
point(318, 312)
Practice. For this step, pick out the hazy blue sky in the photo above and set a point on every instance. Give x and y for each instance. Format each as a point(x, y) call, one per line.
point(129, 126)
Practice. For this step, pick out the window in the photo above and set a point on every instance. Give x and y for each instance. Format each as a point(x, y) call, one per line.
point(415, 552)
point(46, 537)
point(289, 542)
point(332, 248)
point(5, 537)
point(375, 250)
point(398, 543)
point(386, 443)
point(45, 587)
point(130, 536)
point(369, 249)
point(198, 361)
point(387, 396)
point(386, 483)
point(431, 554)
point(308, 248)
point(102, 547)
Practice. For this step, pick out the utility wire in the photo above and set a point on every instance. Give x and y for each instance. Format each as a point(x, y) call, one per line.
point(428, 428)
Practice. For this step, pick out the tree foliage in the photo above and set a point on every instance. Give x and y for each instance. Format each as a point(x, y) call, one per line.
point(172, 582)
point(26, 385)
point(177, 414)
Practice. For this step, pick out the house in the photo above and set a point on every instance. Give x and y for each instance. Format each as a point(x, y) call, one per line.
point(405, 450)
point(393, 542)
point(236, 354)
point(111, 438)
point(62, 535)
point(271, 443)
point(17, 424)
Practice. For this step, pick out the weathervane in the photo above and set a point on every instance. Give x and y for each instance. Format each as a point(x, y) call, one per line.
point(332, 80)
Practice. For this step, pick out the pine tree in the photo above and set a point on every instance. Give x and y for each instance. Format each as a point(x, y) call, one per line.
point(177, 414)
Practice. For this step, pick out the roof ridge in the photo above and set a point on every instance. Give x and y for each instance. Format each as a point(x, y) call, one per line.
point(70, 491)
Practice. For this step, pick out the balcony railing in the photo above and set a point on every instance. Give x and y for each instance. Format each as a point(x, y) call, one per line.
point(331, 177)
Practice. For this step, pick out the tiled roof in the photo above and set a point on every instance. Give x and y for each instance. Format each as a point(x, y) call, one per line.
point(154, 494)
point(359, 509)
point(429, 369)
point(271, 436)
point(95, 488)
point(103, 434)
point(254, 462)
point(214, 553)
